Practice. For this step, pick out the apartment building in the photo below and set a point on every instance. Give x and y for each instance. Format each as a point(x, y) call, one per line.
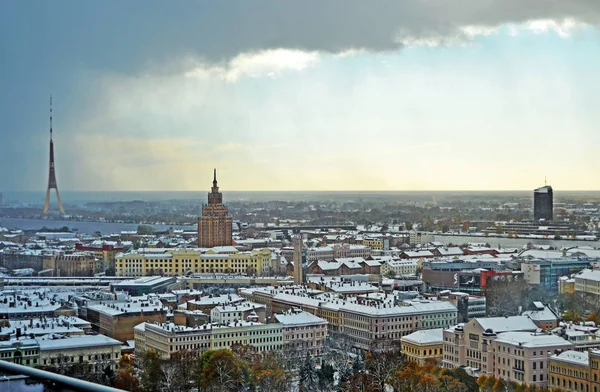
point(376, 243)
point(177, 262)
point(168, 338)
point(588, 283)
point(73, 264)
point(117, 319)
point(98, 352)
point(424, 346)
point(523, 356)
point(545, 273)
point(303, 331)
point(243, 311)
point(22, 352)
point(336, 251)
point(469, 344)
point(380, 327)
point(417, 237)
point(569, 371)
point(400, 267)
point(32, 304)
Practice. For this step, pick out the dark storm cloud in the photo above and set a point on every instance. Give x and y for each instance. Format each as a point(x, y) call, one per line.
point(45, 47)
point(229, 28)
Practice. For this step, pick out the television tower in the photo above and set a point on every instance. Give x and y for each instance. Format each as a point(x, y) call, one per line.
point(52, 173)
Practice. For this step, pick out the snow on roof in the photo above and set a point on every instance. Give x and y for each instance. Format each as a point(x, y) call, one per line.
point(225, 249)
point(544, 189)
point(77, 342)
point(240, 307)
point(129, 306)
point(144, 281)
point(587, 274)
point(543, 314)
point(574, 357)
point(216, 300)
point(426, 336)
point(328, 265)
point(529, 339)
point(451, 251)
point(299, 318)
point(408, 307)
point(419, 253)
point(505, 324)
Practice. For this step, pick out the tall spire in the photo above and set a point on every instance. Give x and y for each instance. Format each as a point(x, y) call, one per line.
point(50, 117)
point(215, 178)
point(52, 172)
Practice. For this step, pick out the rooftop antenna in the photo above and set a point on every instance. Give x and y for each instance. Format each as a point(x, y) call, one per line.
point(545, 182)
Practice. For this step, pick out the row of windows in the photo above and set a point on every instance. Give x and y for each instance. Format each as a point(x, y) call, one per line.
point(571, 385)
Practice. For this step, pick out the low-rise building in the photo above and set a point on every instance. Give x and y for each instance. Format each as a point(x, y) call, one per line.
point(243, 311)
point(32, 304)
point(98, 352)
point(207, 303)
point(181, 261)
point(22, 352)
point(145, 285)
point(542, 316)
point(424, 346)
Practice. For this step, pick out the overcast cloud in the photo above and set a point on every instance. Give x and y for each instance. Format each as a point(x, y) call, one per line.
point(150, 96)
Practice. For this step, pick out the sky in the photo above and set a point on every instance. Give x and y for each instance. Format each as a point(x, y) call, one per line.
point(301, 95)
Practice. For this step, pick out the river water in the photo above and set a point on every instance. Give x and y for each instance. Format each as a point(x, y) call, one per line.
point(512, 242)
point(80, 226)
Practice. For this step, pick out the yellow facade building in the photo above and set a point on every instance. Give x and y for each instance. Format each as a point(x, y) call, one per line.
point(569, 371)
point(374, 243)
point(178, 262)
point(566, 285)
point(424, 346)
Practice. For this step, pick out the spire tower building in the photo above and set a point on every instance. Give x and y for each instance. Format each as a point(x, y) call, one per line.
point(52, 173)
point(215, 224)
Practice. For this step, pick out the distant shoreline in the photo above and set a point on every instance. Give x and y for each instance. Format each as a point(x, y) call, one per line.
point(82, 227)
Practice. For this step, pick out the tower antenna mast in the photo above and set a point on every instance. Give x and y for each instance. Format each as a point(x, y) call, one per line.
point(52, 184)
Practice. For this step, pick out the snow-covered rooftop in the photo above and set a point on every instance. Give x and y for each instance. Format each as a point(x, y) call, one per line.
point(426, 336)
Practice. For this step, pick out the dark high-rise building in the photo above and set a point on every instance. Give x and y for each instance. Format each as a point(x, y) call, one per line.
point(215, 224)
point(542, 203)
